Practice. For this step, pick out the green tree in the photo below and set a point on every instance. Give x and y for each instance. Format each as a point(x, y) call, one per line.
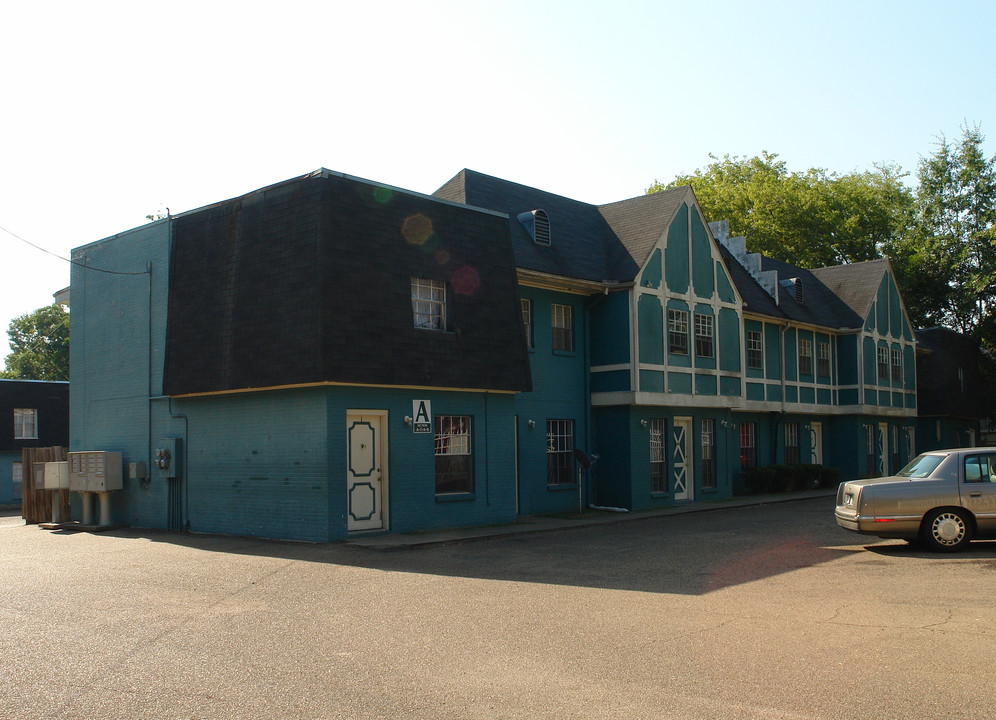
point(813, 219)
point(39, 344)
point(947, 263)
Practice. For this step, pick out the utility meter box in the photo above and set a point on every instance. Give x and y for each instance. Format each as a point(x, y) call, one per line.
point(57, 475)
point(94, 471)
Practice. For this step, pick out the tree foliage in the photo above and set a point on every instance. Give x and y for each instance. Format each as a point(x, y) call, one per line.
point(946, 264)
point(813, 219)
point(39, 343)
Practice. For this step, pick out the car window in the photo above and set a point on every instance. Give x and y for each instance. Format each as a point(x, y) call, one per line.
point(921, 466)
point(980, 468)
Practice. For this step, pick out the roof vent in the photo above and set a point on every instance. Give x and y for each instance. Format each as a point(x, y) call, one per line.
point(538, 225)
point(794, 285)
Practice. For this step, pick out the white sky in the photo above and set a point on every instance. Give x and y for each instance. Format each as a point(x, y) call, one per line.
point(111, 111)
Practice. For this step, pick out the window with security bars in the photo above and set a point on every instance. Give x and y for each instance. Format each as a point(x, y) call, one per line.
point(748, 445)
point(563, 328)
point(708, 465)
point(677, 331)
point(897, 365)
point(870, 469)
point(823, 359)
point(527, 320)
point(883, 363)
point(454, 456)
point(429, 303)
point(25, 424)
point(703, 335)
point(559, 452)
point(658, 469)
point(791, 443)
point(755, 350)
point(894, 446)
point(805, 356)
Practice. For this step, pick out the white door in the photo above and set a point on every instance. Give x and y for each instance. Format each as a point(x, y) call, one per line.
point(681, 461)
point(365, 476)
point(816, 443)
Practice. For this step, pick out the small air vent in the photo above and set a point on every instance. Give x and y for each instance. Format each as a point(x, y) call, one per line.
point(795, 286)
point(538, 225)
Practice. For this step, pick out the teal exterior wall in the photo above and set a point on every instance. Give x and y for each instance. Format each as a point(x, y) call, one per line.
point(560, 392)
point(7, 461)
point(266, 464)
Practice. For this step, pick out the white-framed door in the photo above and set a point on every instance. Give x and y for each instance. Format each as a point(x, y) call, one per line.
point(682, 465)
point(816, 443)
point(366, 470)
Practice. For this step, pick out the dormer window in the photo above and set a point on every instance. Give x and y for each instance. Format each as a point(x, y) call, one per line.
point(538, 224)
point(794, 285)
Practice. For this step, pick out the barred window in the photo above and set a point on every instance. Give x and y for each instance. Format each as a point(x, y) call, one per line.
point(791, 443)
point(658, 470)
point(563, 329)
point(823, 359)
point(454, 459)
point(748, 445)
point(703, 335)
point(559, 452)
point(755, 350)
point(897, 365)
point(805, 356)
point(708, 473)
point(870, 467)
point(677, 331)
point(429, 303)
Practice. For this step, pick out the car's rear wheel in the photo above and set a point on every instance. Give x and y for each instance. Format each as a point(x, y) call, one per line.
point(946, 530)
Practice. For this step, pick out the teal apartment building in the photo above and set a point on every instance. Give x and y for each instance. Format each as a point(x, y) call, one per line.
point(330, 356)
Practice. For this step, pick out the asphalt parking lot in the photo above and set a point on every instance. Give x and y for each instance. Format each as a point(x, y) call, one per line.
point(756, 612)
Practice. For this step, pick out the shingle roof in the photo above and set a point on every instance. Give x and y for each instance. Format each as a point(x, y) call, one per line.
point(856, 283)
point(589, 242)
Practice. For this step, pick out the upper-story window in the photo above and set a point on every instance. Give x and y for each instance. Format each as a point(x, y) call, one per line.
point(883, 363)
point(562, 325)
point(677, 331)
point(527, 319)
point(755, 350)
point(703, 335)
point(537, 222)
point(805, 356)
point(823, 359)
point(897, 365)
point(25, 424)
point(429, 303)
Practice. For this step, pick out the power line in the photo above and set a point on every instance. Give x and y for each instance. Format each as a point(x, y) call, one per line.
point(68, 260)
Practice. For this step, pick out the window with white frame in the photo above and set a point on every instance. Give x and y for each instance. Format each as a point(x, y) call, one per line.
point(703, 335)
point(755, 350)
point(658, 471)
point(748, 445)
point(429, 303)
point(823, 359)
point(805, 356)
point(870, 468)
point(559, 452)
point(708, 466)
point(454, 456)
point(883, 363)
point(791, 443)
point(677, 331)
point(527, 319)
point(562, 325)
point(897, 365)
point(25, 424)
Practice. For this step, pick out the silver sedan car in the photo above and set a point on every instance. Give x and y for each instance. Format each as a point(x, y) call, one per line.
point(944, 498)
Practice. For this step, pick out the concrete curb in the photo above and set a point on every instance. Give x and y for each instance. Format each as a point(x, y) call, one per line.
point(541, 523)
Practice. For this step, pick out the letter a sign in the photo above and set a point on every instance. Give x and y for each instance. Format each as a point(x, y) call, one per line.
point(422, 416)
